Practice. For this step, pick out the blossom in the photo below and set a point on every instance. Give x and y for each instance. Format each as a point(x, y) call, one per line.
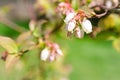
point(69, 17)
point(79, 33)
point(64, 8)
point(71, 25)
point(45, 54)
point(86, 26)
point(50, 52)
point(74, 19)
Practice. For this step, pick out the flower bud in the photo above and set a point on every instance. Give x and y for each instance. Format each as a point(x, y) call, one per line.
point(79, 33)
point(69, 17)
point(87, 26)
point(45, 54)
point(59, 52)
point(71, 25)
point(32, 25)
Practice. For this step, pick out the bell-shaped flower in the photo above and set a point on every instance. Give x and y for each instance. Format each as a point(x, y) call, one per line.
point(57, 49)
point(69, 17)
point(86, 26)
point(45, 54)
point(51, 52)
point(71, 25)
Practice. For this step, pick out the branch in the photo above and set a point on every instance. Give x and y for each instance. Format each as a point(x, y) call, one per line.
point(106, 11)
point(12, 25)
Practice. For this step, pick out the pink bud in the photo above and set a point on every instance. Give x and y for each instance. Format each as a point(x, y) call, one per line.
point(79, 33)
point(59, 52)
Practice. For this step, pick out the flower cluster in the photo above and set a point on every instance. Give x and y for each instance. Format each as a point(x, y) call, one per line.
point(76, 22)
point(50, 52)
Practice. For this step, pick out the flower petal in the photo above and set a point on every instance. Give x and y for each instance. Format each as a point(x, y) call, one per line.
point(87, 26)
point(59, 52)
point(79, 33)
point(52, 57)
point(69, 17)
point(71, 25)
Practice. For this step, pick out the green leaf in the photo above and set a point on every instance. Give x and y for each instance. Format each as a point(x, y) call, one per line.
point(8, 44)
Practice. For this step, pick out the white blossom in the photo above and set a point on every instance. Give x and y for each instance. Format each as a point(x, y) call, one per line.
point(69, 17)
point(45, 54)
point(87, 26)
point(71, 25)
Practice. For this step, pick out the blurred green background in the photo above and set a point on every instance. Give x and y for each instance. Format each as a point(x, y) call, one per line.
point(89, 59)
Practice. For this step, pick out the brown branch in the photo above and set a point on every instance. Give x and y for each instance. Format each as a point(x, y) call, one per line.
point(106, 10)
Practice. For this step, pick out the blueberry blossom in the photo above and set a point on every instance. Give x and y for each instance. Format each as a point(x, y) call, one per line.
point(76, 22)
point(45, 54)
point(71, 25)
point(50, 52)
point(79, 33)
point(86, 26)
point(69, 17)
point(64, 8)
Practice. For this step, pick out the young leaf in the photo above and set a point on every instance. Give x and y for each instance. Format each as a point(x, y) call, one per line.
point(8, 44)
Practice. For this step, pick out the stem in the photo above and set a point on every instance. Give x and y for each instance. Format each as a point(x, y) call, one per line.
point(12, 25)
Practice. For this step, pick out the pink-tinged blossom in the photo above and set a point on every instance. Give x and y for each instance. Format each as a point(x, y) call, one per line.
point(69, 17)
point(64, 8)
point(79, 33)
point(51, 52)
point(74, 19)
point(71, 25)
point(86, 26)
point(57, 49)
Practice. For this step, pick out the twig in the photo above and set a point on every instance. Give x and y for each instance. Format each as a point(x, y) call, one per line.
point(106, 10)
point(12, 25)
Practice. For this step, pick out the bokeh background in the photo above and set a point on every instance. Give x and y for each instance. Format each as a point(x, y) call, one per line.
point(89, 59)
